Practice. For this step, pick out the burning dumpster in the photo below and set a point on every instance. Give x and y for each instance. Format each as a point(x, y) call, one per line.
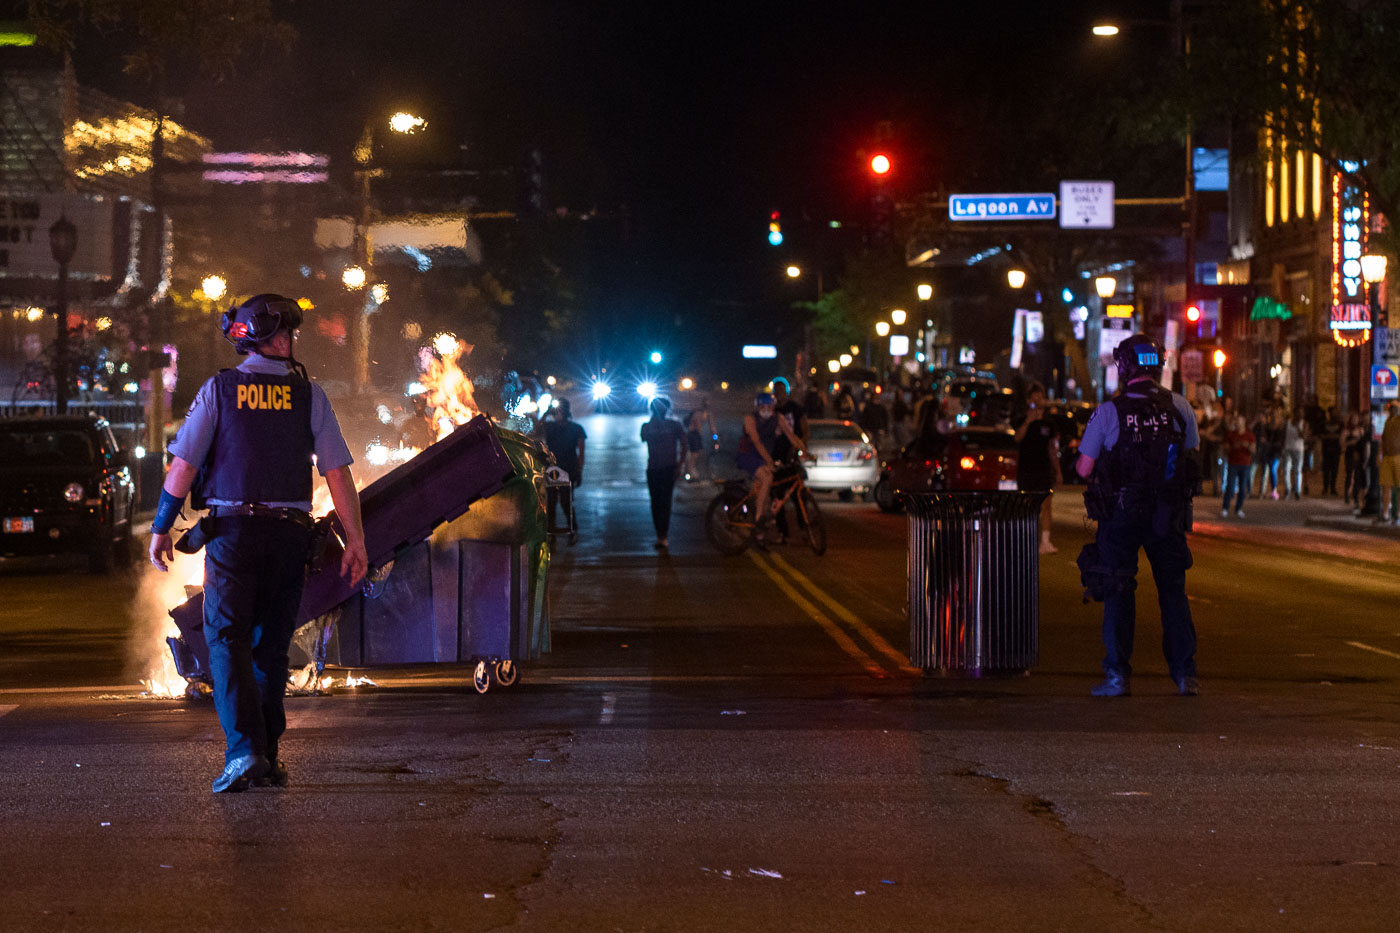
point(458, 563)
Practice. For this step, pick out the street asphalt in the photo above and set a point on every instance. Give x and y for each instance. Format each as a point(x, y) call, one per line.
point(735, 744)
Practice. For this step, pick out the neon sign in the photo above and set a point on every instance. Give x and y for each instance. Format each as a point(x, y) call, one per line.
point(1350, 318)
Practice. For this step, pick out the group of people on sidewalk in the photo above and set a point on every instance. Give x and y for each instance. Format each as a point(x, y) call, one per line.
point(1272, 454)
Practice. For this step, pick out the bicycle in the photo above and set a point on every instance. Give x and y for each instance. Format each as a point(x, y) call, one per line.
point(731, 519)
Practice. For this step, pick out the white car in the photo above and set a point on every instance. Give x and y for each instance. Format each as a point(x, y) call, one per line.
point(845, 461)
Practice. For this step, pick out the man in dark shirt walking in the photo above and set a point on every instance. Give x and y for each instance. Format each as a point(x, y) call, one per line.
point(566, 439)
point(665, 440)
point(1038, 460)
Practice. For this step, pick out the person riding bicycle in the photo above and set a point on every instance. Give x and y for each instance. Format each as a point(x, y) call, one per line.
point(760, 438)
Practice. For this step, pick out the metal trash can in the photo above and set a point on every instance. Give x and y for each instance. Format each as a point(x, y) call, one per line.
point(974, 580)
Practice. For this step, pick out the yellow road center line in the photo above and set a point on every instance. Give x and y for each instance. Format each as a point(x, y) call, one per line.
point(850, 618)
point(843, 641)
point(1365, 647)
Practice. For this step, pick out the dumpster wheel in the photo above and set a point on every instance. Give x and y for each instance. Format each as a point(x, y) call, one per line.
point(506, 673)
point(481, 677)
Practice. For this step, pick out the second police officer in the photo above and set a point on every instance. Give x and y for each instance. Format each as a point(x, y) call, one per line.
point(246, 450)
point(1139, 454)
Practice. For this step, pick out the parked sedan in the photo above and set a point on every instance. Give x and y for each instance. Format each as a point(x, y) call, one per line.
point(962, 459)
point(65, 485)
point(844, 458)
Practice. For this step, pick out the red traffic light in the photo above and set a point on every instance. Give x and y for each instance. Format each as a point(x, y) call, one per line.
point(880, 164)
point(1193, 314)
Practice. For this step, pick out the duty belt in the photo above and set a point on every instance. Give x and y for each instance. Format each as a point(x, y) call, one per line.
point(262, 511)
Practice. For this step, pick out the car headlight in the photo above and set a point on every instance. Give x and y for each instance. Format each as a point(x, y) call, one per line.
point(73, 492)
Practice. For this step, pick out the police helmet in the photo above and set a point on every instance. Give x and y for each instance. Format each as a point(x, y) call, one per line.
point(1138, 356)
point(258, 319)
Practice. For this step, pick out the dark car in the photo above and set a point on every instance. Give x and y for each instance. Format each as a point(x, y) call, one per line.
point(962, 459)
point(65, 487)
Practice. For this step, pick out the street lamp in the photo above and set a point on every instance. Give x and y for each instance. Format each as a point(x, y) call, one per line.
point(898, 317)
point(63, 244)
point(925, 291)
point(1016, 278)
point(882, 328)
point(214, 287)
point(1373, 271)
point(794, 271)
point(353, 278)
point(1105, 285)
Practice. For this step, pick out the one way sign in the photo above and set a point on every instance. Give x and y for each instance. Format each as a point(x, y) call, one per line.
point(1086, 205)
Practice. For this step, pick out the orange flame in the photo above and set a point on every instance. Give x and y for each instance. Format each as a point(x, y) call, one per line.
point(450, 396)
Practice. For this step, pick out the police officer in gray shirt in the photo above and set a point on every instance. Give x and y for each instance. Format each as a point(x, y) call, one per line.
point(1140, 456)
point(246, 451)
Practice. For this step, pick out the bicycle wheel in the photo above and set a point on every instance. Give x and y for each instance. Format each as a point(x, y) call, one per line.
point(815, 527)
point(729, 523)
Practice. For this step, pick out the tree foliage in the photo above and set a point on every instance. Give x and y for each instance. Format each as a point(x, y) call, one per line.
point(1319, 74)
point(165, 39)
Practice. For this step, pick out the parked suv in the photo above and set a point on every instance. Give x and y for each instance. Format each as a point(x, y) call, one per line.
point(65, 486)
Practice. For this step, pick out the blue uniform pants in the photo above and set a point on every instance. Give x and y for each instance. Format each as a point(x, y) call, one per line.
point(254, 568)
point(1119, 540)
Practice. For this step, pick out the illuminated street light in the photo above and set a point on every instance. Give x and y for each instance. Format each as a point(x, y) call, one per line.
point(880, 164)
point(1105, 29)
point(1105, 285)
point(1015, 277)
point(647, 390)
point(833, 366)
point(214, 287)
point(379, 292)
point(655, 357)
point(882, 328)
point(406, 122)
point(550, 381)
point(845, 359)
point(1373, 268)
point(925, 291)
point(353, 277)
point(687, 384)
point(794, 271)
point(1219, 358)
point(898, 317)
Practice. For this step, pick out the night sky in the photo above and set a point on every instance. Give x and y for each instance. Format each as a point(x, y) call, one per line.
point(699, 118)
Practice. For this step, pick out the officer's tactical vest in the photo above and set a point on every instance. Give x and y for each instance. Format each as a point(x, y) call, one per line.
point(263, 446)
point(1148, 459)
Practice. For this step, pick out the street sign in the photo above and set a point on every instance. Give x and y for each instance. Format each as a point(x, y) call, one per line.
point(1001, 207)
point(1035, 327)
point(1192, 366)
point(1385, 383)
point(1086, 205)
point(1387, 344)
point(1118, 310)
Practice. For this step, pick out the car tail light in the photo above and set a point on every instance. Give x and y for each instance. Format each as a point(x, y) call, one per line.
point(866, 453)
point(73, 492)
point(967, 463)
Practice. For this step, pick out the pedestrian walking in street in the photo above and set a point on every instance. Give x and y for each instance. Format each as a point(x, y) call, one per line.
point(1212, 428)
point(1296, 436)
point(1239, 452)
point(1390, 466)
point(1270, 443)
point(245, 451)
point(1330, 442)
point(1356, 438)
point(700, 439)
point(568, 442)
point(665, 440)
point(1140, 455)
point(1038, 459)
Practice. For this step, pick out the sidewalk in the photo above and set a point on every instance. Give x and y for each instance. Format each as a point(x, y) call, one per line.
point(1327, 512)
